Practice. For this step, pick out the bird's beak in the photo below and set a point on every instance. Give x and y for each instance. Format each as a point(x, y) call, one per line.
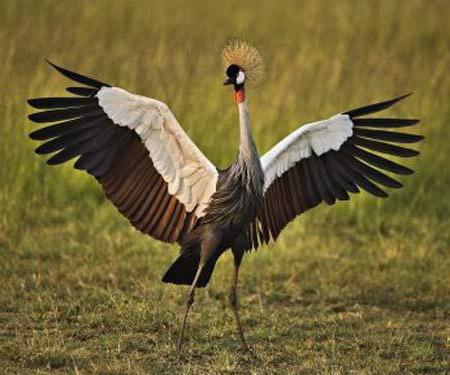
point(228, 81)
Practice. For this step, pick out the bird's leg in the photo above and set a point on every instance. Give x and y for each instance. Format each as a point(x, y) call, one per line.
point(234, 306)
point(189, 302)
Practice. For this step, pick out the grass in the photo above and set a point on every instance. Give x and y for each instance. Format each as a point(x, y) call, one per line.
point(360, 287)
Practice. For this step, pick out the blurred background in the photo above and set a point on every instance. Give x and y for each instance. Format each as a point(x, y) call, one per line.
point(359, 286)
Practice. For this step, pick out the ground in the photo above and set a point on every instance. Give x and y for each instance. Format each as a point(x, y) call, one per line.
point(359, 287)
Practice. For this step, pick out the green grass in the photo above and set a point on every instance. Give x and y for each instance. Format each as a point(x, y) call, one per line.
point(361, 287)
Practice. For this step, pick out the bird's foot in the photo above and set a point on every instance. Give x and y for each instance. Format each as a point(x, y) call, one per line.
point(245, 348)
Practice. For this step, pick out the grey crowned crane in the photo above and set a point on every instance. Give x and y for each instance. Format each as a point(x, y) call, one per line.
point(164, 185)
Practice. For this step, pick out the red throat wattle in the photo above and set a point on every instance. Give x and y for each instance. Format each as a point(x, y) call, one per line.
point(239, 96)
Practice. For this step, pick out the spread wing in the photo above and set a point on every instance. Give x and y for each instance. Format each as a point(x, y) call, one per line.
point(133, 145)
point(326, 160)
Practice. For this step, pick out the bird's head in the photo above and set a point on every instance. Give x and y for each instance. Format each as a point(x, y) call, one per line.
point(236, 77)
point(242, 63)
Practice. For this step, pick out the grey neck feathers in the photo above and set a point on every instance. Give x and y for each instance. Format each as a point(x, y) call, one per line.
point(247, 148)
point(248, 157)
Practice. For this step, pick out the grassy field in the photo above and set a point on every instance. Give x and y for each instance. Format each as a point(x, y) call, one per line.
point(361, 287)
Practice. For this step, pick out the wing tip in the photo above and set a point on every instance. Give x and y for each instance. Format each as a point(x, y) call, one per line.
point(53, 65)
point(32, 118)
point(34, 135)
point(77, 77)
point(376, 107)
point(30, 102)
point(34, 103)
point(405, 95)
point(419, 137)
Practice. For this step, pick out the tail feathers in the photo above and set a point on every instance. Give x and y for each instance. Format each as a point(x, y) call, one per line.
point(183, 270)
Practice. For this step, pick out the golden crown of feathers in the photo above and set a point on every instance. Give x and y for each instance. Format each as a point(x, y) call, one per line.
point(247, 57)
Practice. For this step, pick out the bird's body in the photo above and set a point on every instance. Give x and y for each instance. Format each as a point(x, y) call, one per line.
point(235, 203)
point(162, 183)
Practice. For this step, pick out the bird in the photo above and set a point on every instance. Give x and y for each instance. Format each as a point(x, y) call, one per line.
point(157, 177)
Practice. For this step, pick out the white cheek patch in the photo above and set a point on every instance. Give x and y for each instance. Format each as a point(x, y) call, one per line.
point(240, 77)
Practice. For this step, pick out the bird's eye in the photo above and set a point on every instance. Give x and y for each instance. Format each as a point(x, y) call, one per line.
point(240, 78)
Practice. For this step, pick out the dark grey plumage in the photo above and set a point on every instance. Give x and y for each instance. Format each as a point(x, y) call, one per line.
point(232, 207)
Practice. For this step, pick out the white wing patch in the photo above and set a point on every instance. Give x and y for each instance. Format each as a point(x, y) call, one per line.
point(320, 137)
point(190, 176)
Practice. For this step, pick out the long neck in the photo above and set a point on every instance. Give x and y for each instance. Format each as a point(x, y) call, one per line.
point(247, 147)
point(248, 162)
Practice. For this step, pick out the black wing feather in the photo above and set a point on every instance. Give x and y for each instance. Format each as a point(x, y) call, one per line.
point(78, 77)
point(383, 135)
point(48, 103)
point(378, 161)
point(383, 147)
point(71, 139)
point(82, 91)
point(64, 114)
point(370, 172)
point(66, 127)
point(375, 107)
point(384, 122)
